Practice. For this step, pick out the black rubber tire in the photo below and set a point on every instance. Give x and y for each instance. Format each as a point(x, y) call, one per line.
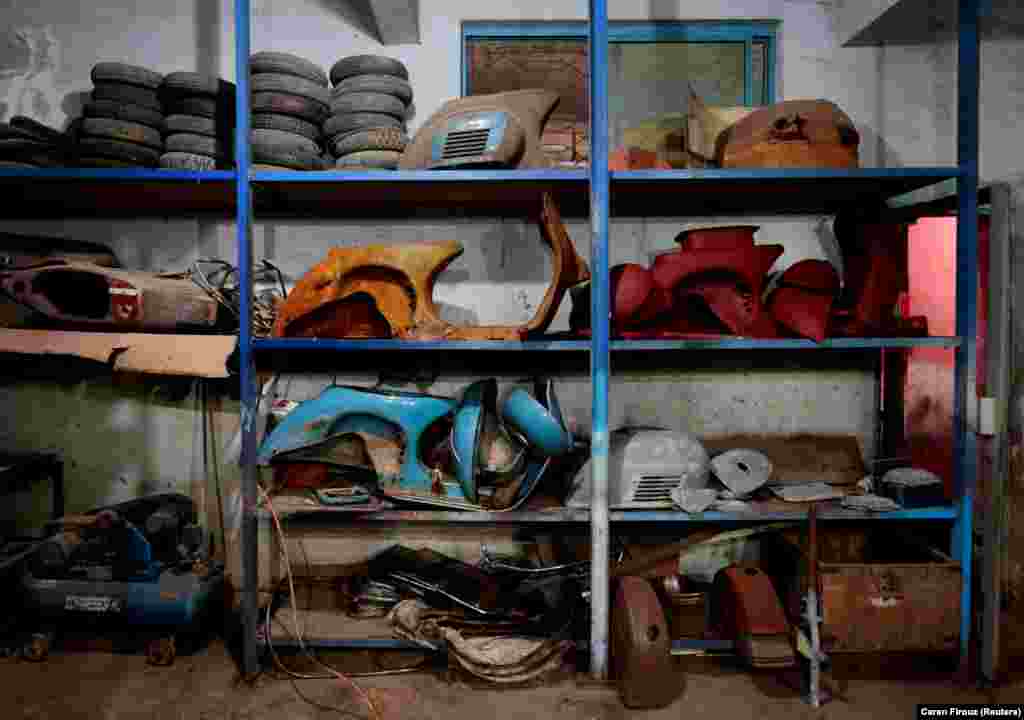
point(94, 161)
point(367, 65)
point(275, 83)
point(199, 106)
point(383, 159)
point(384, 84)
point(119, 72)
point(33, 152)
point(284, 140)
point(122, 93)
point(123, 130)
point(350, 122)
point(187, 161)
point(117, 150)
point(286, 123)
point(368, 102)
point(286, 104)
point(192, 124)
point(191, 83)
point(37, 129)
point(375, 139)
point(8, 131)
point(122, 111)
point(294, 159)
point(195, 144)
point(280, 63)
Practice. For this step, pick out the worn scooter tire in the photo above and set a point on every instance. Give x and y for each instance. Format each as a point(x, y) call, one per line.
point(367, 65)
point(284, 140)
point(293, 159)
point(381, 159)
point(124, 93)
point(276, 83)
point(386, 84)
point(286, 104)
point(286, 64)
point(124, 111)
point(375, 139)
point(195, 144)
point(119, 72)
point(192, 124)
point(191, 83)
point(123, 130)
point(286, 123)
point(118, 150)
point(350, 122)
point(187, 161)
point(368, 102)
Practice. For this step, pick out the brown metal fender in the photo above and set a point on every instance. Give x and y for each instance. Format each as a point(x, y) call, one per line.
point(641, 647)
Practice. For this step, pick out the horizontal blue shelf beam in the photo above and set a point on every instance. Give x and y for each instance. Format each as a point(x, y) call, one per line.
point(289, 646)
point(118, 174)
point(799, 512)
point(727, 343)
point(798, 191)
point(315, 344)
point(736, 343)
point(684, 645)
point(422, 176)
point(925, 174)
point(560, 515)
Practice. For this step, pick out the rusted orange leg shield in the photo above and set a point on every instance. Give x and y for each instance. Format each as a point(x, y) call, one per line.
point(382, 291)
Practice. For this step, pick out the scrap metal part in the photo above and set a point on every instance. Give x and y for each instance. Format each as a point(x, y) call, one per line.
point(388, 291)
point(641, 647)
point(86, 294)
point(794, 133)
point(499, 130)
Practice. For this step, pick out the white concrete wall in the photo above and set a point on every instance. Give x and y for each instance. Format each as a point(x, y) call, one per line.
point(504, 269)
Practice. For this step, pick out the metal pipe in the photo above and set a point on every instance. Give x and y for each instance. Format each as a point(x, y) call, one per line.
point(968, 81)
point(599, 355)
point(814, 681)
point(997, 390)
point(247, 371)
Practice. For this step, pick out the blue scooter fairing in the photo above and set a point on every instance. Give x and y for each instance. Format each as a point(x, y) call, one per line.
point(334, 412)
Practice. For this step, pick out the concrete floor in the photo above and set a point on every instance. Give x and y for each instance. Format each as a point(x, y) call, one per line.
point(102, 686)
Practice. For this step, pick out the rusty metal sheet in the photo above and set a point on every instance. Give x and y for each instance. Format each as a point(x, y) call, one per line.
point(872, 608)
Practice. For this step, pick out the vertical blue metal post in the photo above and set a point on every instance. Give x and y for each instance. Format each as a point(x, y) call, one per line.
point(968, 82)
point(247, 371)
point(599, 356)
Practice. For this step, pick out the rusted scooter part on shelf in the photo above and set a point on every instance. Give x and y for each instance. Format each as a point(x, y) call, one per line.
point(875, 275)
point(802, 298)
point(791, 134)
point(464, 128)
point(387, 291)
point(723, 270)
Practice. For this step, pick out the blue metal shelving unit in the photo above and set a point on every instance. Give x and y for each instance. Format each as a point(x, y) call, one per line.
point(596, 192)
point(628, 193)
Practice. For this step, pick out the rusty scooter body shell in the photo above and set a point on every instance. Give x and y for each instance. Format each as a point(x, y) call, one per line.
point(387, 291)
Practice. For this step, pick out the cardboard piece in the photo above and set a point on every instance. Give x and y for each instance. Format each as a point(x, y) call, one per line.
point(800, 459)
point(188, 355)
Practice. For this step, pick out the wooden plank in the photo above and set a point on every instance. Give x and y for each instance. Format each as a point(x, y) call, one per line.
point(187, 355)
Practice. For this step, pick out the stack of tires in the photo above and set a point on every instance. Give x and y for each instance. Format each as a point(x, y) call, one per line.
point(289, 103)
point(198, 130)
point(370, 102)
point(122, 122)
point(25, 143)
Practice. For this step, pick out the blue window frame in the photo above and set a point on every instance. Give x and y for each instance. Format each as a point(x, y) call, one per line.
point(758, 38)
